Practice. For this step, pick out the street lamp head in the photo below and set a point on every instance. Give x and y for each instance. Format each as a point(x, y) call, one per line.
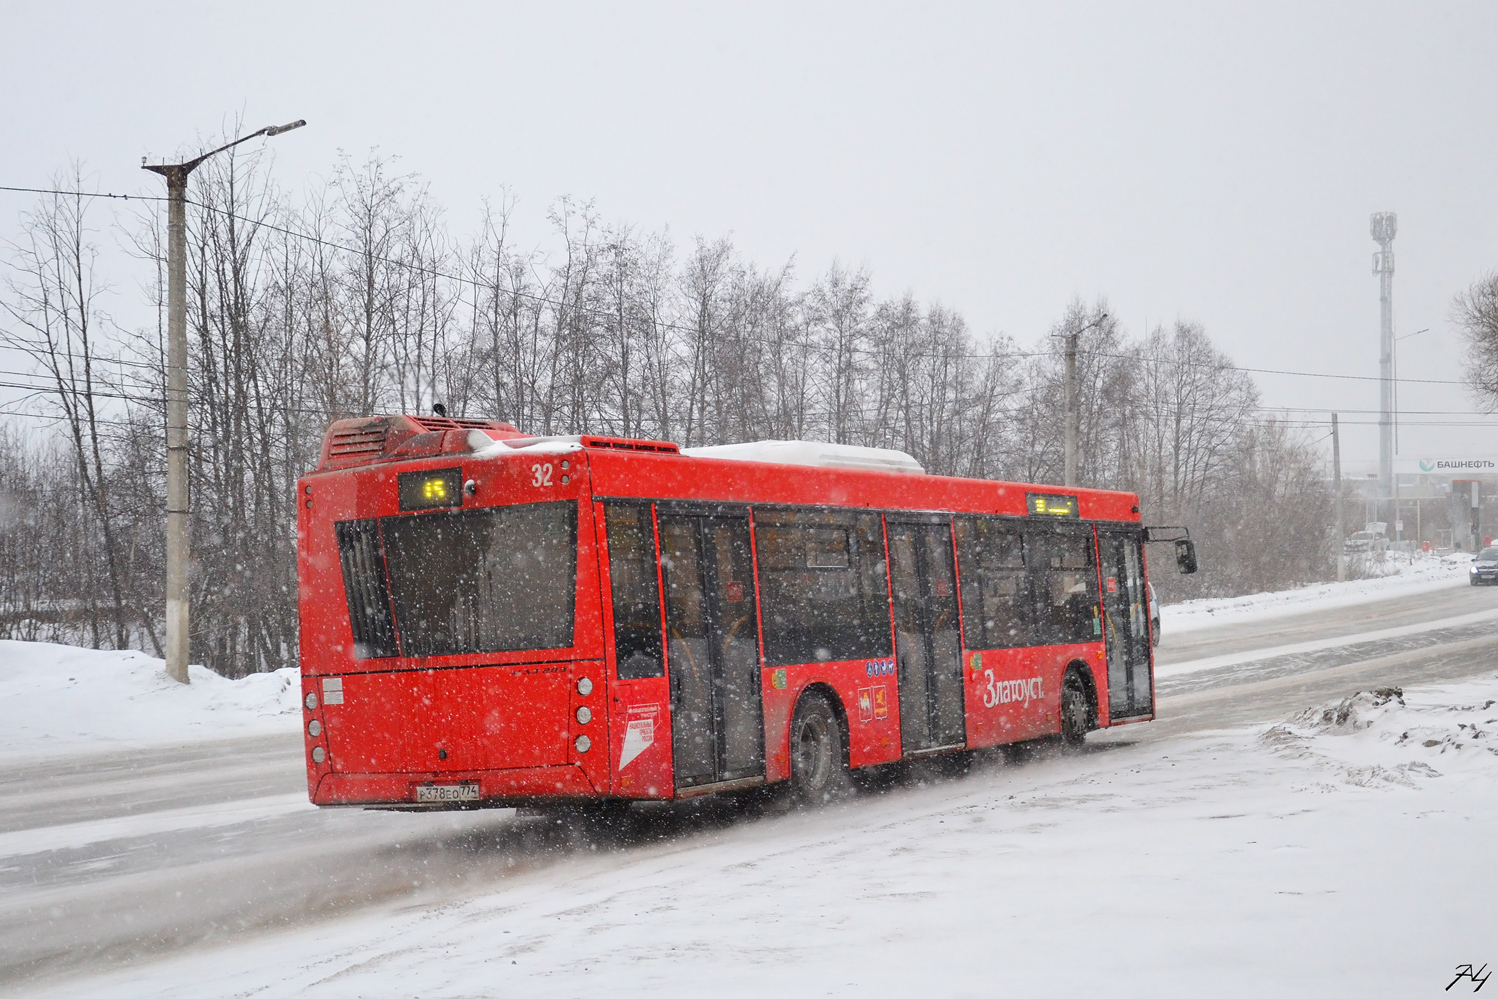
point(181, 170)
point(1102, 317)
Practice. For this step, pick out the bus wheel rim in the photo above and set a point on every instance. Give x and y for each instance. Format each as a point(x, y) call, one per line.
point(812, 749)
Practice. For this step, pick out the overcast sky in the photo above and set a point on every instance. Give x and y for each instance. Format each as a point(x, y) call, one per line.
point(1208, 162)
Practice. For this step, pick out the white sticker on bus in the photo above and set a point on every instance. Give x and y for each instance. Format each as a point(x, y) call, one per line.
point(639, 732)
point(1008, 691)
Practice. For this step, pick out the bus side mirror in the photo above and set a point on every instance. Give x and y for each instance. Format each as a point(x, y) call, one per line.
point(1186, 556)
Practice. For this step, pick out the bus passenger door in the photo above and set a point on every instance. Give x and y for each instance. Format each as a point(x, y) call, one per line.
point(712, 649)
point(928, 651)
point(1126, 624)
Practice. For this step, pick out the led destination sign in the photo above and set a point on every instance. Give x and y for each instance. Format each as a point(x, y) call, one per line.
point(431, 490)
point(1049, 505)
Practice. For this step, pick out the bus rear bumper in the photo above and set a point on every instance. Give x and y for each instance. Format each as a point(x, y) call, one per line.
point(495, 788)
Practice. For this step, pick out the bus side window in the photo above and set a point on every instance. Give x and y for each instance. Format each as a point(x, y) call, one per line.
point(822, 586)
point(997, 609)
point(637, 602)
point(1069, 603)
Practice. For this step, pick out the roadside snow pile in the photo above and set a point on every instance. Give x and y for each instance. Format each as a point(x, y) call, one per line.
point(1426, 572)
point(58, 699)
point(1387, 735)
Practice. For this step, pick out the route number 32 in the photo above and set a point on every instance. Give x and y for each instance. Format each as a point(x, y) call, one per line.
point(541, 475)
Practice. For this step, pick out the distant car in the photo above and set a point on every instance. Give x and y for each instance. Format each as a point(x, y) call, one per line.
point(1154, 616)
point(1364, 541)
point(1485, 567)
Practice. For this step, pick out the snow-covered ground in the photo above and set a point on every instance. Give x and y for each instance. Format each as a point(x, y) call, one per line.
point(1403, 575)
point(59, 700)
point(1347, 851)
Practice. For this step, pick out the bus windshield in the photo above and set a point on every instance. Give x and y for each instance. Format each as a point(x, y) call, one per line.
point(499, 579)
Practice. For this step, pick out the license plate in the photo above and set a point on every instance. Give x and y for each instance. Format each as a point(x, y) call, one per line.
point(447, 792)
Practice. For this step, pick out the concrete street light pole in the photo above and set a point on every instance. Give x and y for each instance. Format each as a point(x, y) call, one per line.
point(1341, 539)
point(177, 502)
point(1383, 226)
point(1071, 398)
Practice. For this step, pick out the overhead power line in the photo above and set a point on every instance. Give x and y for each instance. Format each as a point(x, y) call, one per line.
point(37, 352)
point(1402, 412)
point(82, 194)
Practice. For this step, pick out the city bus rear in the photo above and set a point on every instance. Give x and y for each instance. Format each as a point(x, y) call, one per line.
point(447, 657)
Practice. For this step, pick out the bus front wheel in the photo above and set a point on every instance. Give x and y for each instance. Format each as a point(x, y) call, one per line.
point(819, 767)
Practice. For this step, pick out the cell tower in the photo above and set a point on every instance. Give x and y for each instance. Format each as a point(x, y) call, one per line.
point(1383, 226)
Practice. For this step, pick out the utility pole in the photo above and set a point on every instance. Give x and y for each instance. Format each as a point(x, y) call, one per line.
point(177, 443)
point(1394, 384)
point(1071, 398)
point(1337, 493)
point(1071, 408)
point(1382, 226)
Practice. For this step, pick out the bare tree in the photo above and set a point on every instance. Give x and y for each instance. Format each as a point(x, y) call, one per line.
point(54, 300)
point(1475, 313)
point(372, 222)
point(837, 314)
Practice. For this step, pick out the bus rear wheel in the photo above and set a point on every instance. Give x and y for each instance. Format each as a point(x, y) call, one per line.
point(819, 767)
point(1076, 709)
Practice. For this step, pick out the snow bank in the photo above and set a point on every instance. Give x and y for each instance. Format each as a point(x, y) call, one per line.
point(1424, 573)
point(57, 700)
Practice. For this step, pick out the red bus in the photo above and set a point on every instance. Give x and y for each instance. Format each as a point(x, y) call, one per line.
point(491, 618)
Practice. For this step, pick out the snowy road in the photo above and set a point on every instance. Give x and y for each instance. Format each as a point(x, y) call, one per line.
point(1440, 635)
point(107, 859)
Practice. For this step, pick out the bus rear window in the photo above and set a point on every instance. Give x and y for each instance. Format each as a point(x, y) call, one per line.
point(364, 585)
point(501, 579)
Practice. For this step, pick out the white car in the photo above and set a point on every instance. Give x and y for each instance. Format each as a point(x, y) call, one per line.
point(1364, 541)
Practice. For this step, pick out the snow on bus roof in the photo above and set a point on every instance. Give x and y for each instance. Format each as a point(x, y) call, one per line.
point(868, 459)
point(485, 446)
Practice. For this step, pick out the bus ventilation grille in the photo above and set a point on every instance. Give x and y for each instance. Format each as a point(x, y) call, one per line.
point(628, 444)
point(431, 423)
point(357, 441)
